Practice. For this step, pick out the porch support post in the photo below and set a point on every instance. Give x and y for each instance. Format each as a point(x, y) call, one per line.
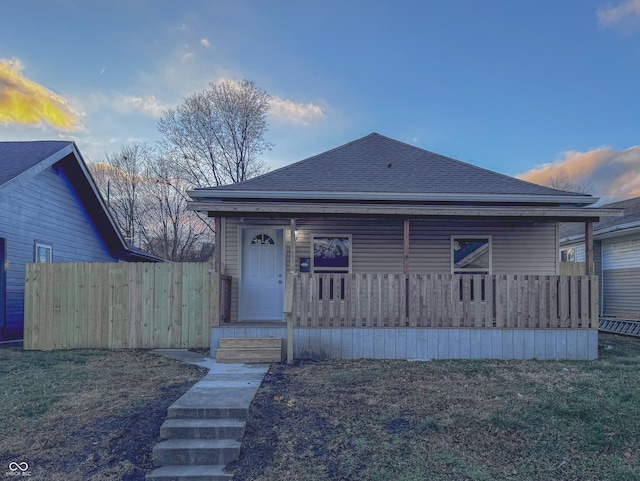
point(405, 267)
point(288, 294)
point(589, 268)
point(292, 252)
point(217, 252)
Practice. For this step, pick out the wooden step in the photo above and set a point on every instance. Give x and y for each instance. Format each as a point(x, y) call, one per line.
point(250, 342)
point(249, 355)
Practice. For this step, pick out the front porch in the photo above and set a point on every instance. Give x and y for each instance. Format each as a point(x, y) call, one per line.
point(433, 316)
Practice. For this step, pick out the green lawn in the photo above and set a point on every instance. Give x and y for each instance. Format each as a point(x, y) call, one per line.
point(449, 420)
point(85, 414)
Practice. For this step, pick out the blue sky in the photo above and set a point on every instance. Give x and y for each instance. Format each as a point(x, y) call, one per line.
point(507, 85)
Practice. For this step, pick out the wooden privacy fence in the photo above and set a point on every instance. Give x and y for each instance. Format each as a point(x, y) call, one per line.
point(123, 305)
point(443, 300)
point(572, 268)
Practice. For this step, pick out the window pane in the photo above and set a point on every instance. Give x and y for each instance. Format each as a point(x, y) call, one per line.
point(43, 254)
point(471, 253)
point(331, 252)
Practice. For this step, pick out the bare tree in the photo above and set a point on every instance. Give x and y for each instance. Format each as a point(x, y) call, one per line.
point(121, 180)
point(216, 136)
point(563, 182)
point(172, 231)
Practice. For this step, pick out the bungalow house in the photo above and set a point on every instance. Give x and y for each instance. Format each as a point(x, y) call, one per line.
point(392, 251)
point(50, 211)
point(616, 247)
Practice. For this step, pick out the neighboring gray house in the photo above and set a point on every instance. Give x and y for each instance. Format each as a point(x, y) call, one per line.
point(50, 211)
point(384, 240)
point(616, 248)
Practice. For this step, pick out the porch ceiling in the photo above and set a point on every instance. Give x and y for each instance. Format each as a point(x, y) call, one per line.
point(280, 209)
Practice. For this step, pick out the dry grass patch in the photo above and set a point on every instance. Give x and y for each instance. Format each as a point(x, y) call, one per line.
point(448, 420)
point(86, 414)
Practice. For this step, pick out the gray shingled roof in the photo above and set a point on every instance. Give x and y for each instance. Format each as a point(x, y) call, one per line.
point(17, 157)
point(631, 214)
point(376, 163)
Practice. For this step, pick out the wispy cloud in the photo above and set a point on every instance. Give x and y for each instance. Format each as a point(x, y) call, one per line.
point(100, 102)
point(628, 10)
point(148, 105)
point(613, 174)
point(23, 101)
point(298, 113)
point(205, 42)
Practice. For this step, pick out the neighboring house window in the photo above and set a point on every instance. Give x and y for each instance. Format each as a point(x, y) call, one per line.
point(568, 255)
point(471, 255)
point(331, 254)
point(43, 253)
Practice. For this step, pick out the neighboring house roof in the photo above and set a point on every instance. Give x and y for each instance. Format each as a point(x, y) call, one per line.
point(20, 157)
point(608, 227)
point(377, 164)
point(376, 175)
point(21, 161)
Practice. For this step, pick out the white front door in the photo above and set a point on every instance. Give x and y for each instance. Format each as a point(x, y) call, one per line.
point(262, 270)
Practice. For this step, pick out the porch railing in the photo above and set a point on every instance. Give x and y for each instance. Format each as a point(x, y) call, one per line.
point(444, 300)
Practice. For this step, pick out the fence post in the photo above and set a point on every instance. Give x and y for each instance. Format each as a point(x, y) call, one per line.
point(288, 314)
point(216, 298)
point(595, 308)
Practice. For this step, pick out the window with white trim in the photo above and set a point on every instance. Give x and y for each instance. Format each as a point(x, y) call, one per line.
point(42, 253)
point(331, 254)
point(471, 254)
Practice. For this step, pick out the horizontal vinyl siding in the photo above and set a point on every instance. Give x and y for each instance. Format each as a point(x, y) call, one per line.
point(621, 292)
point(621, 276)
point(45, 209)
point(621, 252)
point(377, 245)
point(517, 247)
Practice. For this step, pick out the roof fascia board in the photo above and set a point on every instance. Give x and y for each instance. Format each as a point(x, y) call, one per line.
point(44, 164)
point(408, 196)
point(230, 209)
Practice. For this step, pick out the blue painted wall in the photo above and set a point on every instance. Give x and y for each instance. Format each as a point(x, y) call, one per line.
point(46, 209)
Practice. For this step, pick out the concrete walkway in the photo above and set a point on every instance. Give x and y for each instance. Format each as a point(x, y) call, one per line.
point(205, 426)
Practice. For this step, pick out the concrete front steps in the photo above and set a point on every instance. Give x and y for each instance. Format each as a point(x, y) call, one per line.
point(249, 350)
point(204, 428)
point(199, 443)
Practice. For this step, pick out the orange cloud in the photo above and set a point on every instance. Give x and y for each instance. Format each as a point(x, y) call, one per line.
point(574, 165)
point(612, 174)
point(23, 101)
